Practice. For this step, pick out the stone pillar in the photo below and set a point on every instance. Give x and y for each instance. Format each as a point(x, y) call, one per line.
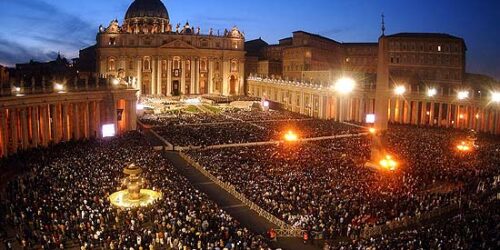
point(159, 77)
point(54, 124)
point(457, 119)
point(321, 107)
point(211, 77)
point(4, 132)
point(226, 68)
point(192, 79)
point(35, 120)
point(423, 113)
point(86, 120)
point(431, 114)
point(169, 77)
point(183, 77)
point(92, 120)
point(139, 76)
point(45, 125)
point(440, 115)
point(65, 122)
point(154, 63)
point(25, 128)
point(13, 129)
point(76, 122)
point(98, 119)
point(197, 77)
point(382, 89)
point(392, 110)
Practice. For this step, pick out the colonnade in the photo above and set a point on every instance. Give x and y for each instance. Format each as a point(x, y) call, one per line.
point(321, 102)
point(39, 120)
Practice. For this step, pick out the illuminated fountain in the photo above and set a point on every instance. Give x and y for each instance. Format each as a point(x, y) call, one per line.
point(134, 196)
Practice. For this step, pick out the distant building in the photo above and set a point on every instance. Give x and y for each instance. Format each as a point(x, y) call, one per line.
point(163, 58)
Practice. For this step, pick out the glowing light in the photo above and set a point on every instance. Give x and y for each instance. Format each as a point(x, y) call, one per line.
point(139, 107)
point(266, 104)
point(428, 113)
point(193, 101)
point(372, 130)
point(121, 199)
point(462, 95)
point(388, 163)
point(108, 130)
point(400, 90)
point(59, 88)
point(344, 85)
point(464, 147)
point(477, 116)
point(17, 89)
point(370, 118)
point(290, 136)
point(431, 92)
point(461, 116)
point(495, 97)
point(115, 81)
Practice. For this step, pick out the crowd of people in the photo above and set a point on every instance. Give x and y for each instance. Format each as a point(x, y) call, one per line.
point(324, 187)
point(61, 201)
point(233, 126)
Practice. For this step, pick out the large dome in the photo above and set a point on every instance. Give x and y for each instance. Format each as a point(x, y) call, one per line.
point(147, 8)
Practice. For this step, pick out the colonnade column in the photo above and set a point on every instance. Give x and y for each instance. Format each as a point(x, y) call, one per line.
point(92, 120)
point(4, 132)
point(448, 115)
point(440, 115)
point(35, 120)
point(24, 126)
point(211, 77)
point(139, 75)
point(183, 77)
point(76, 122)
point(13, 129)
point(65, 122)
point(86, 119)
point(45, 128)
point(159, 85)
point(197, 76)
point(154, 63)
point(98, 119)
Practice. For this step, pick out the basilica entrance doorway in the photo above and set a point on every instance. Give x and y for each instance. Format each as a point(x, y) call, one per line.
point(175, 88)
point(232, 85)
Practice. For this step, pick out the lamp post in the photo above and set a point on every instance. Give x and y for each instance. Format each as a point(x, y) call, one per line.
point(343, 86)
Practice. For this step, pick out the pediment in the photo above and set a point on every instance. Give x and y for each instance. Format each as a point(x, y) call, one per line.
point(178, 44)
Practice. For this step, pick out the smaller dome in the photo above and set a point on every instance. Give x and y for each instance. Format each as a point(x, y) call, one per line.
point(147, 8)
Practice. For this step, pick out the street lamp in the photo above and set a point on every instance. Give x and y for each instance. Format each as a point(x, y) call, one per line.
point(431, 92)
point(59, 88)
point(495, 97)
point(463, 94)
point(400, 90)
point(344, 85)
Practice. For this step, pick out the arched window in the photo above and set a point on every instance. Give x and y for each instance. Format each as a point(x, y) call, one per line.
point(234, 66)
point(111, 64)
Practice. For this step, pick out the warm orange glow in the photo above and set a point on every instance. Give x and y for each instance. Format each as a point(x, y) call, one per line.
point(372, 130)
point(464, 147)
point(290, 136)
point(388, 163)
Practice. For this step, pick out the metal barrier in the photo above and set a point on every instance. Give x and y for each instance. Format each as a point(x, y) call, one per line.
point(283, 230)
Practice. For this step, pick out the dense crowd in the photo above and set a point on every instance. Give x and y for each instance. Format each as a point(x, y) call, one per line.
point(323, 186)
point(61, 201)
point(240, 126)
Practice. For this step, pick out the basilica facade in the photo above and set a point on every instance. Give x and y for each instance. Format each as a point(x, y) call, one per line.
point(158, 57)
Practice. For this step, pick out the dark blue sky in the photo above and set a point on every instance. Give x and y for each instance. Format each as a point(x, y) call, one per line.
point(40, 28)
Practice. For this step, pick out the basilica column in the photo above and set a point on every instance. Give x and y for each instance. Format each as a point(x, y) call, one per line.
point(65, 122)
point(4, 132)
point(13, 129)
point(35, 126)
point(45, 127)
point(210, 77)
point(139, 75)
point(169, 77)
point(183, 77)
point(226, 72)
point(197, 76)
point(159, 85)
point(54, 124)
point(361, 110)
point(154, 63)
point(192, 75)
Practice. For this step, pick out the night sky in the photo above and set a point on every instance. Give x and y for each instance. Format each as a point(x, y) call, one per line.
point(38, 29)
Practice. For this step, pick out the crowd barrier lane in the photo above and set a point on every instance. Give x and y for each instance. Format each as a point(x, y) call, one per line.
point(168, 145)
point(287, 230)
point(370, 231)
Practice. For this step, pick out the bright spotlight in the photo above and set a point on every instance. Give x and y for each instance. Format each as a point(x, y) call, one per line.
point(400, 90)
point(59, 88)
point(266, 104)
point(388, 163)
point(108, 130)
point(370, 118)
point(115, 81)
point(344, 85)
point(495, 97)
point(291, 136)
point(462, 95)
point(431, 92)
point(139, 107)
point(372, 131)
point(464, 147)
